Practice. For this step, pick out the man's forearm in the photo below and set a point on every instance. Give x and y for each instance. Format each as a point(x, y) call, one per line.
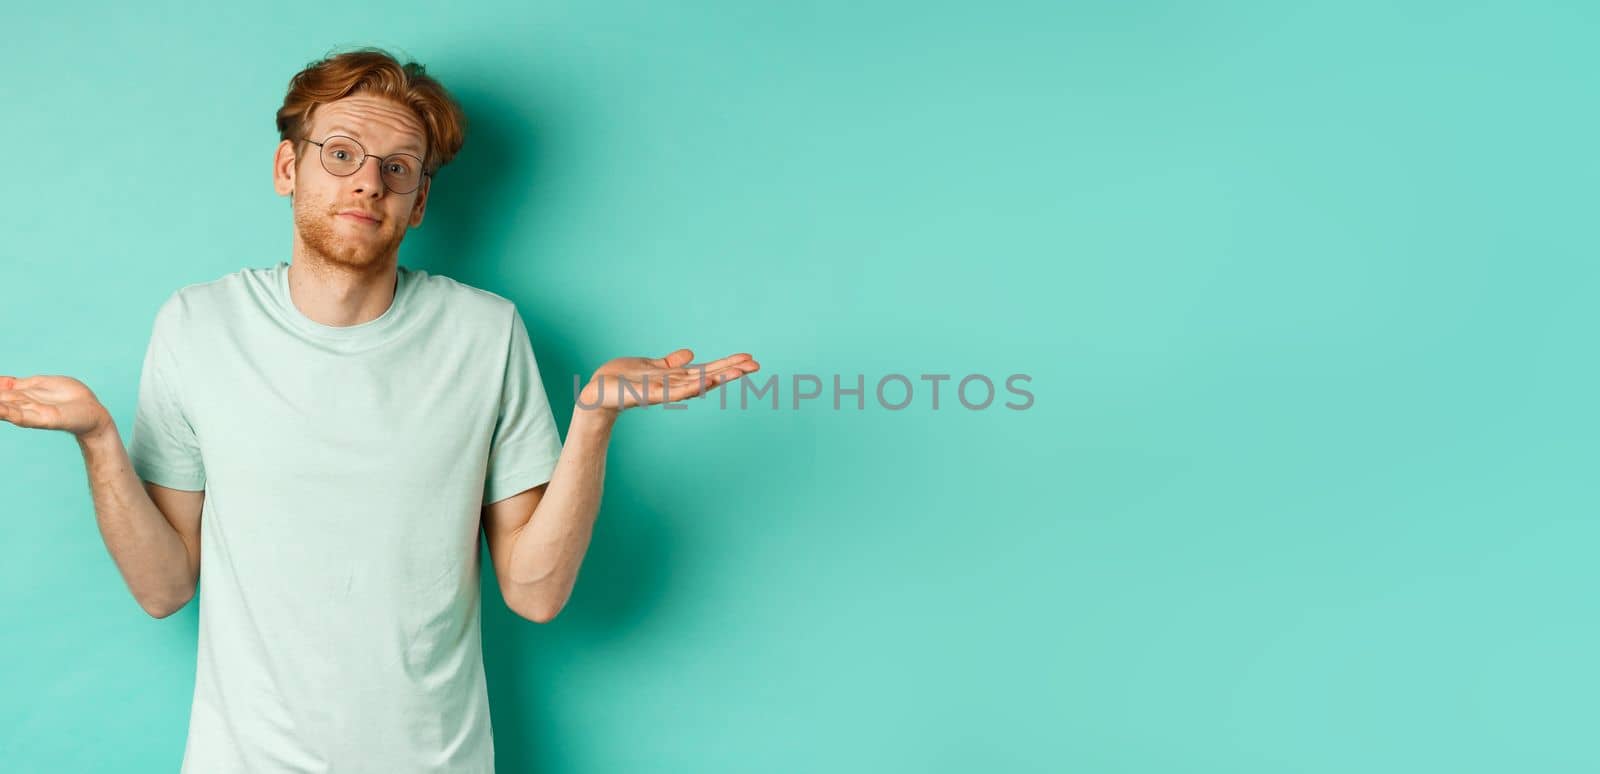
point(549, 549)
point(147, 550)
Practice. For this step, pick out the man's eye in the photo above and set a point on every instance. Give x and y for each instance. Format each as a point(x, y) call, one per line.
point(398, 168)
point(340, 155)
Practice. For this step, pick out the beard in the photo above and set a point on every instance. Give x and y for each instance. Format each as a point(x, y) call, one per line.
point(362, 253)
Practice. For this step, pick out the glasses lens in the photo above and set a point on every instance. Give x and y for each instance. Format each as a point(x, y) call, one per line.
point(341, 155)
point(402, 172)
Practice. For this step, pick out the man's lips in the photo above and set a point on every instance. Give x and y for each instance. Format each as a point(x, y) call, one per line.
point(358, 215)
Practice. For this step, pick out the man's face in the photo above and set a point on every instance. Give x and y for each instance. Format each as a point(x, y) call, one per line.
point(325, 204)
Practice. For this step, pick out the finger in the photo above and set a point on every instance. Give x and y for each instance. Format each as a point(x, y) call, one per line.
point(23, 414)
point(15, 395)
point(674, 358)
point(706, 371)
point(696, 384)
point(734, 372)
point(717, 365)
point(17, 417)
point(725, 371)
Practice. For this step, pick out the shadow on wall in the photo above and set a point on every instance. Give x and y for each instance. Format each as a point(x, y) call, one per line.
point(500, 168)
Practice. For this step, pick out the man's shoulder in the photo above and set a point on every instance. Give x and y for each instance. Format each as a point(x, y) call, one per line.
point(215, 295)
point(459, 298)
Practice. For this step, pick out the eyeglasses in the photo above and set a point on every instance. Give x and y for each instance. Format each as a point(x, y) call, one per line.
point(342, 156)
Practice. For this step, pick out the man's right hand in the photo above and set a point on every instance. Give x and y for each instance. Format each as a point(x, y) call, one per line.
point(51, 402)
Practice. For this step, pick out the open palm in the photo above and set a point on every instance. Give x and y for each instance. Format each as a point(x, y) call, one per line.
point(627, 382)
point(50, 402)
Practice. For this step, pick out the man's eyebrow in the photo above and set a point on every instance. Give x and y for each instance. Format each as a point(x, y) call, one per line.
point(407, 148)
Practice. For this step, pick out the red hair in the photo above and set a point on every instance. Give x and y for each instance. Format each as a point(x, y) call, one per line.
point(375, 72)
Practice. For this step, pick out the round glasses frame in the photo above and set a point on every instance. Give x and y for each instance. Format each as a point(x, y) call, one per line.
point(383, 174)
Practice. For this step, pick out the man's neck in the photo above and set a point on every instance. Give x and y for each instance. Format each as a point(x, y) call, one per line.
point(339, 294)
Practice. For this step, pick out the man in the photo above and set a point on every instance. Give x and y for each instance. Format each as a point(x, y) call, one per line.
point(330, 434)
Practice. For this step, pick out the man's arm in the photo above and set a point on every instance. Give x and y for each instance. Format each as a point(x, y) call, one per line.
point(538, 538)
point(152, 532)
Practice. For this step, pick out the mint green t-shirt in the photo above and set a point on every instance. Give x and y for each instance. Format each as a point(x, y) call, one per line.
point(344, 470)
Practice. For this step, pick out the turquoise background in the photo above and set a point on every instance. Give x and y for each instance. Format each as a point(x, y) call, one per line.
point(1306, 292)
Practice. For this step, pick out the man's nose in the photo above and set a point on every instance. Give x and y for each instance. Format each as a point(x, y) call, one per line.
point(368, 179)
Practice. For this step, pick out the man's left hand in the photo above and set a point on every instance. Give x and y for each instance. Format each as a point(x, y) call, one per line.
point(627, 382)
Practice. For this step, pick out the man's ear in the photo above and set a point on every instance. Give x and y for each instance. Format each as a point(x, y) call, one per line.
point(283, 163)
point(421, 203)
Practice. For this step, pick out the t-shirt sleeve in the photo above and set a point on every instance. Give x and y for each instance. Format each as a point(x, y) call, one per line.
point(526, 443)
point(164, 448)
